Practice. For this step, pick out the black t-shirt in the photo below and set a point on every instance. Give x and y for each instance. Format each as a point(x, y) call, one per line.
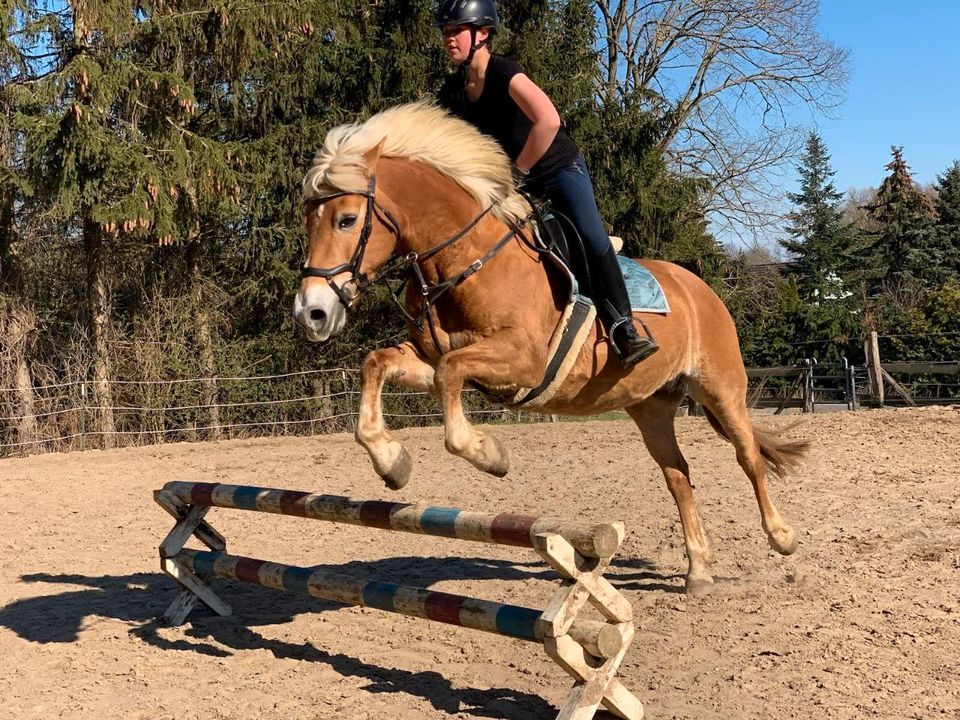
point(496, 114)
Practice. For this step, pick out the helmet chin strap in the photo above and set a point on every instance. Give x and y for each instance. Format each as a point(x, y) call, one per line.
point(474, 46)
point(464, 68)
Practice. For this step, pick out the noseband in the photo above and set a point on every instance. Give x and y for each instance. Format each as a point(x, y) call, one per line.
point(357, 278)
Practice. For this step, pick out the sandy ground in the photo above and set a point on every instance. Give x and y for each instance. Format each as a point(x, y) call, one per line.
point(863, 622)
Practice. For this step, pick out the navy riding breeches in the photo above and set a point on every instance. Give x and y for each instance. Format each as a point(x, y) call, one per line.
point(570, 192)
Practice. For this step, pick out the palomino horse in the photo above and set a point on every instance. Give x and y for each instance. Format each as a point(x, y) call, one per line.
point(408, 189)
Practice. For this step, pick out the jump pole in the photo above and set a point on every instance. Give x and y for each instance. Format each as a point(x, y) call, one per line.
point(590, 651)
point(589, 539)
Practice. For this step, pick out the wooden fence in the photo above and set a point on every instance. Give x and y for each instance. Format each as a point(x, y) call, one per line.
point(832, 386)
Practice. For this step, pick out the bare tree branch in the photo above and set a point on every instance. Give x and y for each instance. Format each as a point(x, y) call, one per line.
point(731, 78)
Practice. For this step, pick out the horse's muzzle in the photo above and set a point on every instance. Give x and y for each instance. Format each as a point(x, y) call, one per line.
point(319, 312)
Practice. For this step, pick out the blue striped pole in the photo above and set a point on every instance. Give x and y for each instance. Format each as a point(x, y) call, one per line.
point(600, 639)
point(591, 539)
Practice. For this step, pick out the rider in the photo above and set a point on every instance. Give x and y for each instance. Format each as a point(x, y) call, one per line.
point(493, 93)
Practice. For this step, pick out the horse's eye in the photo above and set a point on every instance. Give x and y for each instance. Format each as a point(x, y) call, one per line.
point(346, 222)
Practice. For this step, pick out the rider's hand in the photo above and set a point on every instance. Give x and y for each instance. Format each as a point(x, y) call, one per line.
point(519, 175)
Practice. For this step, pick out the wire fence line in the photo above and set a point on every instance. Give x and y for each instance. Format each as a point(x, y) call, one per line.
point(148, 412)
point(155, 411)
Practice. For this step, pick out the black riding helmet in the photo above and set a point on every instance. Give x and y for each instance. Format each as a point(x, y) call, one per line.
point(473, 13)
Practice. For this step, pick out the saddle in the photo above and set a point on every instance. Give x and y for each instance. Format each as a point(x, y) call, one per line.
point(557, 235)
point(561, 246)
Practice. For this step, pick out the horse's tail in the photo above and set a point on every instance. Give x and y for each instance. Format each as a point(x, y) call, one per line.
point(781, 457)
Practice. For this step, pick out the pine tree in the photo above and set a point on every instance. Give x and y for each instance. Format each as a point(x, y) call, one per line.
point(820, 241)
point(108, 155)
point(946, 232)
point(900, 250)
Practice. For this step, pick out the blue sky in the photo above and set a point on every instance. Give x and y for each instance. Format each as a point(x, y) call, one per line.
point(904, 87)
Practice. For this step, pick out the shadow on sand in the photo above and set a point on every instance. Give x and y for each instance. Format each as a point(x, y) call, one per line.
point(141, 598)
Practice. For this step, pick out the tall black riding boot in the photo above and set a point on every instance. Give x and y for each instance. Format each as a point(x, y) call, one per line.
point(613, 304)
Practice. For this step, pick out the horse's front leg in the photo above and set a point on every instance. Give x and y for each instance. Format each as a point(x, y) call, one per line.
point(501, 359)
point(401, 365)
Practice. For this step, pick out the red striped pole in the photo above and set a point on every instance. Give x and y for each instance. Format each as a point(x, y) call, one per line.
point(599, 540)
point(600, 639)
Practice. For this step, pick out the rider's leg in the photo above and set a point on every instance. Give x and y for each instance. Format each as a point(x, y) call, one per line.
point(570, 192)
point(613, 303)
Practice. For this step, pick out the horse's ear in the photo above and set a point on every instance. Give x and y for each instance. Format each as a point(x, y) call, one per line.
point(372, 157)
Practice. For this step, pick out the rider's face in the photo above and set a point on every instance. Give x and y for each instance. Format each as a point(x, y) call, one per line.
point(456, 41)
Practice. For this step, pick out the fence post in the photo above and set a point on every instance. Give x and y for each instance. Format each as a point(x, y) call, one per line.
point(354, 416)
point(83, 415)
point(872, 353)
point(808, 399)
point(848, 388)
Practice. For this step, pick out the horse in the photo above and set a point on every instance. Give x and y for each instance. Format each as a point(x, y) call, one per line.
point(416, 190)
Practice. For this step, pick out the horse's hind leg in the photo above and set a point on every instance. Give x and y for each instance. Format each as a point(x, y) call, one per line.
point(401, 365)
point(724, 397)
point(655, 418)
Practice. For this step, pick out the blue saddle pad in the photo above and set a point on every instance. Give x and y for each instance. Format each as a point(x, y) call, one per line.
point(645, 292)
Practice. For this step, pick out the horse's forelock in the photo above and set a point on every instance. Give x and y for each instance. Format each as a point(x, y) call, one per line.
point(344, 172)
point(332, 169)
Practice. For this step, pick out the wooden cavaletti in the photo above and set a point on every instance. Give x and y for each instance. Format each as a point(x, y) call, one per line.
point(591, 651)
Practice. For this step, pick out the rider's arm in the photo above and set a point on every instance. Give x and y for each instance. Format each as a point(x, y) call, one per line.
point(546, 121)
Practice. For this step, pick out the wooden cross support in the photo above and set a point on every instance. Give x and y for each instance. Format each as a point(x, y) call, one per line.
point(189, 522)
point(596, 681)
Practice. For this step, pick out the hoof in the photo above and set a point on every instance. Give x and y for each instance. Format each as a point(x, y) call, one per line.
point(484, 453)
point(399, 473)
point(783, 541)
point(497, 458)
point(698, 587)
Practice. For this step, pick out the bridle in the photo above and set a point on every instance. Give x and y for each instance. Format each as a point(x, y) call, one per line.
point(359, 279)
point(430, 293)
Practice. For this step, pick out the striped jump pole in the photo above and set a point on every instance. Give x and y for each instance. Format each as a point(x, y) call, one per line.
point(590, 651)
point(600, 639)
point(589, 539)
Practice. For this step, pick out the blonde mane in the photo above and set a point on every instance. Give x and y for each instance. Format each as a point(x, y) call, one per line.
point(418, 131)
